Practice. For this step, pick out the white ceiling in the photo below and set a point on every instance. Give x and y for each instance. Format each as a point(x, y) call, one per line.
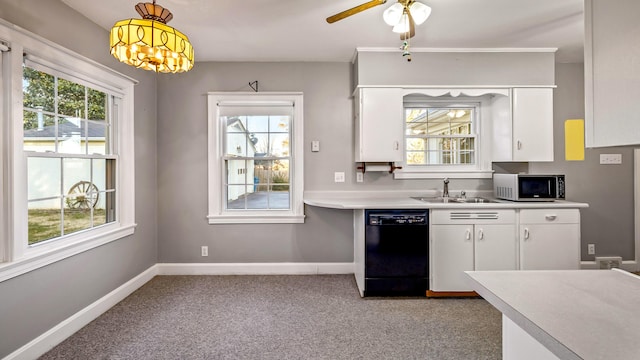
point(296, 30)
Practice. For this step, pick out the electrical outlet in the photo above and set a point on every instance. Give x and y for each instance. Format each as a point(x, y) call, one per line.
point(359, 177)
point(609, 159)
point(591, 249)
point(315, 146)
point(338, 177)
point(204, 251)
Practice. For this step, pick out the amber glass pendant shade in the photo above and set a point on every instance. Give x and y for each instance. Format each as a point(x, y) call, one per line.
point(149, 43)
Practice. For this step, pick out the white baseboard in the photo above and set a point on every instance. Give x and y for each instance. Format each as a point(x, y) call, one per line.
point(255, 268)
point(68, 327)
point(628, 265)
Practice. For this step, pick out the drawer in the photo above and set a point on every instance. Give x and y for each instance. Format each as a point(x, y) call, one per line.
point(550, 216)
point(473, 216)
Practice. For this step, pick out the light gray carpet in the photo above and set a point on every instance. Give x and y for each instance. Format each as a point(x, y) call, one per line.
point(283, 317)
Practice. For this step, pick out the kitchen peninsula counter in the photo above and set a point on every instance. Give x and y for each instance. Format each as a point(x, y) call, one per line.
point(572, 314)
point(404, 200)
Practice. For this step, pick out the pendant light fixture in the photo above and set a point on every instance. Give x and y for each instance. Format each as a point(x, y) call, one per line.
point(149, 43)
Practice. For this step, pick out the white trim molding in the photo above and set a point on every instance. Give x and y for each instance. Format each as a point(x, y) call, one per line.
point(294, 268)
point(217, 190)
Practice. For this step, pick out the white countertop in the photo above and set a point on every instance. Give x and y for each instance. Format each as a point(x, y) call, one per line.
point(576, 314)
point(404, 200)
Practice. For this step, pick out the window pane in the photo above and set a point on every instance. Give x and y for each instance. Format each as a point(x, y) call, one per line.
point(236, 196)
point(98, 134)
point(71, 136)
point(236, 124)
point(416, 158)
point(38, 89)
point(71, 99)
point(279, 175)
point(81, 192)
point(237, 172)
point(415, 144)
point(44, 219)
point(279, 145)
point(279, 124)
point(416, 128)
point(77, 219)
point(258, 124)
point(99, 176)
point(280, 199)
point(44, 178)
point(39, 131)
point(237, 145)
point(260, 143)
point(97, 104)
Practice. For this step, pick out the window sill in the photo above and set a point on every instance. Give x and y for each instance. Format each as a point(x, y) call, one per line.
point(437, 174)
point(45, 256)
point(256, 219)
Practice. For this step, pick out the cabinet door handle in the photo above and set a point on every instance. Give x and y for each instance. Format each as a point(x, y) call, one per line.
point(526, 233)
point(519, 144)
point(550, 217)
point(396, 145)
point(480, 234)
point(468, 235)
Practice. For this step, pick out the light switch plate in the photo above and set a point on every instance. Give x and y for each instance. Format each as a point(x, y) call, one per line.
point(338, 177)
point(359, 177)
point(315, 146)
point(608, 159)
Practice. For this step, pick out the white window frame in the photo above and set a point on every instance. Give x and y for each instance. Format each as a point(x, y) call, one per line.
point(216, 171)
point(470, 97)
point(18, 256)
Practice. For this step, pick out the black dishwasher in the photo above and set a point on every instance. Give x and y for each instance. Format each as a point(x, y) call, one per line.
point(396, 252)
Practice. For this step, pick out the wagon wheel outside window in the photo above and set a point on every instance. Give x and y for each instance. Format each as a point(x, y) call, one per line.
point(83, 195)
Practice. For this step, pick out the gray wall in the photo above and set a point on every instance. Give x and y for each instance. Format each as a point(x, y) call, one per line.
point(34, 302)
point(608, 189)
point(326, 235)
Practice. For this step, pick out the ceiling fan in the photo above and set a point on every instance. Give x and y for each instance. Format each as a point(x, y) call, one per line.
point(403, 15)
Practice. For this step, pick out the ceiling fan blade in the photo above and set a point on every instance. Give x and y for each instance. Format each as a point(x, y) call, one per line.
point(412, 28)
point(354, 10)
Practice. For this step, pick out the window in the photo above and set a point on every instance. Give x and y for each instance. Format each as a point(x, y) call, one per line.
point(255, 158)
point(448, 132)
point(439, 135)
point(70, 163)
point(67, 153)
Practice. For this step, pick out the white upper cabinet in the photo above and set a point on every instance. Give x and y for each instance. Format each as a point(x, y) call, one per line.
point(378, 125)
point(612, 73)
point(528, 134)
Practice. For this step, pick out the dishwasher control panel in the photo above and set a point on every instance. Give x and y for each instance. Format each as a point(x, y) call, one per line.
point(398, 219)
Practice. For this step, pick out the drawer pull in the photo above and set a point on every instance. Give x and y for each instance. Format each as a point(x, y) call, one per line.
point(550, 217)
point(468, 235)
point(480, 234)
point(526, 233)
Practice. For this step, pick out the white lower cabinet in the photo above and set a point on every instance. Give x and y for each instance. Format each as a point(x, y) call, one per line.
point(549, 239)
point(470, 240)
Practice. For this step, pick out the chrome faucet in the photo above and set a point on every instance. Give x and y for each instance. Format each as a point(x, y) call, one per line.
point(445, 191)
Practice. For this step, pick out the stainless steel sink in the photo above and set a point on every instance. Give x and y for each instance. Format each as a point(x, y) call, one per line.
point(455, 200)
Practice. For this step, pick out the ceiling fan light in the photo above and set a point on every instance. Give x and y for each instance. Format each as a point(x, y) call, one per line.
point(403, 25)
point(419, 12)
point(392, 15)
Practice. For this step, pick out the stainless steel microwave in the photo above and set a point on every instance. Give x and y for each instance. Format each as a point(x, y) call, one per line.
point(528, 187)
